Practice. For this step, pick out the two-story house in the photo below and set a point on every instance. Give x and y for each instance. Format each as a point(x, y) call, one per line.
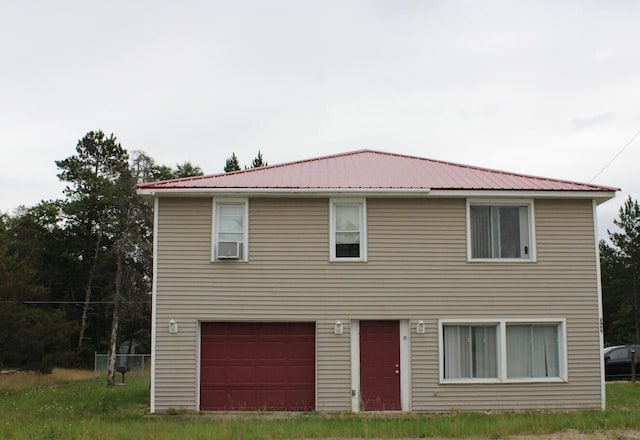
point(375, 281)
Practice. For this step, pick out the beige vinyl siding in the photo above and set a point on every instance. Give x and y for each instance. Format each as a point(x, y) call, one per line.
point(417, 269)
point(333, 366)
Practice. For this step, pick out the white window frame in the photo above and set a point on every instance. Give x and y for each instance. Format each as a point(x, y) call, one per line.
point(502, 349)
point(214, 228)
point(362, 205)
point(530, 228)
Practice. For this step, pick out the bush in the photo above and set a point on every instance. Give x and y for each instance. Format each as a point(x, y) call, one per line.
point(31, 338)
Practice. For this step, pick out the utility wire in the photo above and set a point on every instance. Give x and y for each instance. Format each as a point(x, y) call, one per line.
point(70, 302)
point(616, 156)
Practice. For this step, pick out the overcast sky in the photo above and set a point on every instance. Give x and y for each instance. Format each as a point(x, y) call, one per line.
point(548, 88)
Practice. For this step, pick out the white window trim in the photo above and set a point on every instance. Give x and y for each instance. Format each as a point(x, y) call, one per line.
point(332, 228)
point(502, 350)
point(214, 228)
point(504, 202)
point(355, 364)
point(405, 364)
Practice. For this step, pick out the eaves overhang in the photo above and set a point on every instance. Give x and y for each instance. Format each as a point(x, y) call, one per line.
point(598, 196)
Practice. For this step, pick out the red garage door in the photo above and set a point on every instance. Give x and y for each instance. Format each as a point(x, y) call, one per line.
point(257, 366)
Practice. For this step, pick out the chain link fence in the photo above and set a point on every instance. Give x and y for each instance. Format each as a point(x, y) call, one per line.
point(131, 362)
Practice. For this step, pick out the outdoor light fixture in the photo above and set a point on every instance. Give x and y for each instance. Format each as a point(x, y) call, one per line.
point(338, 328)
point(420, 327)
point(173, 326)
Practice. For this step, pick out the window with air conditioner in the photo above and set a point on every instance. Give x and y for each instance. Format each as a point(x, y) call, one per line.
point(230, 229)
point(501, 231)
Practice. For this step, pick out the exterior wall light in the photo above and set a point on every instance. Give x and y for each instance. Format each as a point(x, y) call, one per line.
point(173, 326)
point(420, 327)
point(338, 329)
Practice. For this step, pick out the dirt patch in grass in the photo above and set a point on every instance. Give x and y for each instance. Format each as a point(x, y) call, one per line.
point(21, 379)
point(576, 435)
point(566, 435)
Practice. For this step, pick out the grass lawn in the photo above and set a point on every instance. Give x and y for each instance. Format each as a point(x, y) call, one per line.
point(68, 405)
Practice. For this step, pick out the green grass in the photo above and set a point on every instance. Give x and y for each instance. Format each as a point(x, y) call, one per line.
point(88, 409)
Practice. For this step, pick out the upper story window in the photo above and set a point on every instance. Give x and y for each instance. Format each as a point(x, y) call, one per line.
point(348, 240)
point(502, 230)
point(230, 229)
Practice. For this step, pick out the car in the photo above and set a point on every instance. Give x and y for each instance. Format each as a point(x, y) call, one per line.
point(617, 362)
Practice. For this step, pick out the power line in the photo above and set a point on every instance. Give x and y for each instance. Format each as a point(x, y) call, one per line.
point(82, 302)
point(72, 302)
point(616, 156)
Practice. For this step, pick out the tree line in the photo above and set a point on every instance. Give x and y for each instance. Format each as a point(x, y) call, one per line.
point(75, 273)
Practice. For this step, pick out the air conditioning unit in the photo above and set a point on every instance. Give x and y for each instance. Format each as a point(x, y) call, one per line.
point(229, 250)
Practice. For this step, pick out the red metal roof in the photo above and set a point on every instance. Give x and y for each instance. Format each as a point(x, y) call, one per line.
point(373, 170)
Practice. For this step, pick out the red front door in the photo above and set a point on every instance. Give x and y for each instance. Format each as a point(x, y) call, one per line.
point(380, 365)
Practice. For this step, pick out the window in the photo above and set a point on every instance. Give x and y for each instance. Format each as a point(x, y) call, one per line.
point(470, 351)
point(500, 231)
point(230, 229)
point(532, 351)
point(348, 230)
point(618, 354)
point(502, 351)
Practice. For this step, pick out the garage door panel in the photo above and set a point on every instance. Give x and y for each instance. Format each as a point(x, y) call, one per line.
point(257, 366)
point(272, 374)
point(300, 374)
point(241, 375)
point(267, 350)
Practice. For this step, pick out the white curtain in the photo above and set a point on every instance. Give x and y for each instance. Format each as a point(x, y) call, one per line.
point(532, 351)
point(230, 222)
point(470, 351)
point(519, 351)
point(545, 351)
point(485, 359)
point(456, 352)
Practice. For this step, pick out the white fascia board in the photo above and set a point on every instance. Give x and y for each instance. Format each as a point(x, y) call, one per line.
point(307, 192)
point(598, 196)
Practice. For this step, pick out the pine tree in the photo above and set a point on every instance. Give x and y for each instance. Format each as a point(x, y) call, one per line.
point(232, 164)
point(258, 161)
point(620, 266)
point(91, 206)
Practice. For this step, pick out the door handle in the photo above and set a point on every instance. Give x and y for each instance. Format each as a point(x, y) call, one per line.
point(397, 371)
